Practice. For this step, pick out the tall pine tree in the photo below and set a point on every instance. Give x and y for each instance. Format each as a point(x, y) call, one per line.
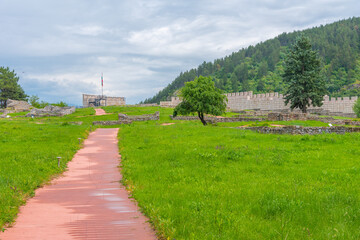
point(305, 86)
point(9, 87)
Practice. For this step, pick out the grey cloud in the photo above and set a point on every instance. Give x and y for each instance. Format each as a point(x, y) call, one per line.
point(60, 48)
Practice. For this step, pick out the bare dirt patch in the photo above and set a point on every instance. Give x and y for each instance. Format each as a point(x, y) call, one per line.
point(167, 124)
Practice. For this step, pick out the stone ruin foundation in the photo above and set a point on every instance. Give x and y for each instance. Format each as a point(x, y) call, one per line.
point(51, 111)
point(125, 119)
point(304, 130)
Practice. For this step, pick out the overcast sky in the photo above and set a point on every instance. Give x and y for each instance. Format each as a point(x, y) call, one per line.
point(60, 48)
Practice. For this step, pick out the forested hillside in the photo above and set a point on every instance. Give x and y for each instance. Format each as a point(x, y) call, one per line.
point(259, 68)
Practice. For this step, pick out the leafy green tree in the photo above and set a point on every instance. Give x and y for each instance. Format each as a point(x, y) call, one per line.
point(201, 96)
point(34, 101)
point(356, 107)
point(261, 85)
point(60, 104)
point(305, 84)
point(262, 70)
point(9, 87)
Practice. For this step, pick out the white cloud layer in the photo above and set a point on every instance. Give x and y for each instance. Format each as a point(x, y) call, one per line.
point(60, 48)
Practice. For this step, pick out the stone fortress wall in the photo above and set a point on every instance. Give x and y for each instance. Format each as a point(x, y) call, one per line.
point(173, 103)
point(274, 102)
point(89, 100)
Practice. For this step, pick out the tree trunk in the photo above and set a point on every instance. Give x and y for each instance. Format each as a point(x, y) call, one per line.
point(201, 116)
point(304, 109)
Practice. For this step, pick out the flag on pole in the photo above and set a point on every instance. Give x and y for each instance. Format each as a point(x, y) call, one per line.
point(102, 80)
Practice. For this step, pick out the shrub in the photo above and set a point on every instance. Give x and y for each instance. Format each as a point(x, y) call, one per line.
point(356, 108)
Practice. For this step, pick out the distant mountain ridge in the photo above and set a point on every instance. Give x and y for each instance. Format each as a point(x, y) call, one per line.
point(259, 68)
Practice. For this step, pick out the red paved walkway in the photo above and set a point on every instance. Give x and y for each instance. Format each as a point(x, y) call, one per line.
point(88, 202)
point(99, 111)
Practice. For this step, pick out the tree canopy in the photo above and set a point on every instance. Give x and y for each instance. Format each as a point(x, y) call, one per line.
point(202, 97)
point(9, 87)
point(305, 86)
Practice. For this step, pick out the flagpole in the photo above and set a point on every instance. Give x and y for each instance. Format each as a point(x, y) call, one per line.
point(102, 86)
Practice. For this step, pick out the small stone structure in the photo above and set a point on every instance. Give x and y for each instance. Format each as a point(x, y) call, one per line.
point(99, 100)
point(53, 111)
point(288, 116)
point(275, 102)
point(304, 130)
point(18, 106)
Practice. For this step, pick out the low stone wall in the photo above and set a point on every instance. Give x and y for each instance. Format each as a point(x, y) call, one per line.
point(110, 123)
point(303, 130)
point(328, 113)
point(216, 119)
point(75, 123)
point(252, 113)
point(136, 118)
point(340, 121)
point(304, 117)
point(186, 118)
point(52, 111)
point(148, 105)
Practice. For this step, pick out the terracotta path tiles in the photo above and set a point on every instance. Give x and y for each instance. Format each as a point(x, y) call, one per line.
point(87, 202)
point(99, 111)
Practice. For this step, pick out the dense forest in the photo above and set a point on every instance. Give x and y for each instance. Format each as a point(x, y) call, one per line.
point(259, 68)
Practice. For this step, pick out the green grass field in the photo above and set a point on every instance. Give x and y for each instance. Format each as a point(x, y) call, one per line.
point(196, 182)
point(28, 151)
